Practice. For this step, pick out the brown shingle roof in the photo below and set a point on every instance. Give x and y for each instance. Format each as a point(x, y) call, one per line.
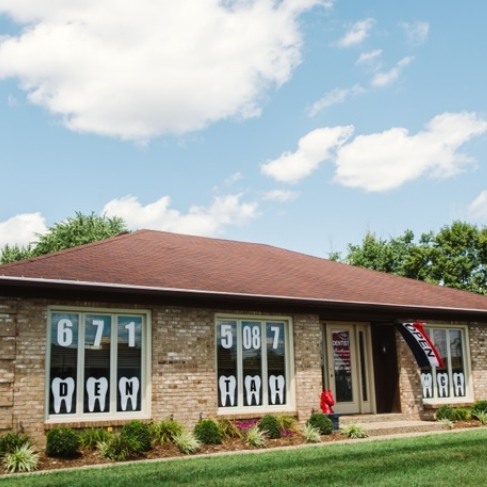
point(167, 261)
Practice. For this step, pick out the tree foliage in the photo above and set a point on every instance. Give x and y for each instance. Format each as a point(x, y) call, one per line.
point(455, 257)
point(78, 230)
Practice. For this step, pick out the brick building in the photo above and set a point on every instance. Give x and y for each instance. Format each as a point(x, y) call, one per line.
point(152, 324)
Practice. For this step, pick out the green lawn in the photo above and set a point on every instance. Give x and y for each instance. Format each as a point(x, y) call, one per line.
point(435, 460)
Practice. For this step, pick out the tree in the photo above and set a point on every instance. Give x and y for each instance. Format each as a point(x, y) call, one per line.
point(454, 257)
point(78, 230)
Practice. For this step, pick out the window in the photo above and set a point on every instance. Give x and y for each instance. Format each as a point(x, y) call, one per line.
point(450, 382)
point(97, 363)
point(253, 363)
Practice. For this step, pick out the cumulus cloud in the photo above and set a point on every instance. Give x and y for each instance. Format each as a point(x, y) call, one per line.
point(357, 33)
point(416, 32)
point(210, 221)
point(22, 229)
point(314, 148)
point(369, 56)
point(387, 160)
point(334, 97)
point(382, 79)
point(478, 207)
point(136, 70)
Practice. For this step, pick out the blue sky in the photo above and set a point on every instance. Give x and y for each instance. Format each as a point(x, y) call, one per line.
point(298, 123)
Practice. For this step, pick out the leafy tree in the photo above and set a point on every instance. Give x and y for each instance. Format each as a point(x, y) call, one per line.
point(78, 230)
point(455, 257)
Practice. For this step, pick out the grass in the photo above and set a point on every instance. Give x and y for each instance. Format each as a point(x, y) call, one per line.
point(427, 461)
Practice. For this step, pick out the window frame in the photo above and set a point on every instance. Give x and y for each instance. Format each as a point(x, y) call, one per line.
point(78, 401)
point(452, 399)
point(290, 395)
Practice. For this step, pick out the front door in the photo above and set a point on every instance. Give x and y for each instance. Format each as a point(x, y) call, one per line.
point(348, 360)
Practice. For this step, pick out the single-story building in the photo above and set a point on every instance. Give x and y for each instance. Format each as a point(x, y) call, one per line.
point(152, 324)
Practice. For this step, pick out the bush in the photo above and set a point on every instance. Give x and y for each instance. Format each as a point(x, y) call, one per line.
point(90, 437)
point(9, 442)
point(321, 422)
point(207, 432)
point(62, 442)
point(445, 413)
point(187, 442)
point(479, 407)
point(228, 429)
point(461, 414)
point(138, 435)
point(271, 426)
point(119, 447)
point(165, 431)
point(21, 459)
point(311, 434)
point(355, 431)
point(255, 436)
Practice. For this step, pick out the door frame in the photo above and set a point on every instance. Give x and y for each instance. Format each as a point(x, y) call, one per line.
point(361, 362)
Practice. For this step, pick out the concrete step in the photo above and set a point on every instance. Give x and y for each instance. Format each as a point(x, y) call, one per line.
point(391, 424)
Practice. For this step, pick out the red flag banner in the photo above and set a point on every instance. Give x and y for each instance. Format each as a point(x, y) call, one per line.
point(420, 344)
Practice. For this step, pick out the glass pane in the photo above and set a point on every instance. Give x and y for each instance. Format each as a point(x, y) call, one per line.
point(97, 363)
point(129, 363)
point(276, 363)
point(342, 365)
point(227, 363)
point(442, 377)
point(252, 363)
point(64, 363)
point(363, 364)
point(456, 359)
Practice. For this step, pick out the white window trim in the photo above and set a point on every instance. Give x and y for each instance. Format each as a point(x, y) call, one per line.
point(146, 387)
point(290, 405)
point(468, 369)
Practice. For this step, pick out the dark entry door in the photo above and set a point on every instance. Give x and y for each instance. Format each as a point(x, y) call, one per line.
point(386, 373)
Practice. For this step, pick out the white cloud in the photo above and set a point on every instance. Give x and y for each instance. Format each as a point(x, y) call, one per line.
point(384, 79)
point(478, 207)
point(369, 56)
point(281, 195)
point(234, 178)
point(334, 97)
point(136, 70)
point(416, 32)
point(357, 34)
point(224, 211)
point(314, 148)
point(22, 229)
point(387, 160)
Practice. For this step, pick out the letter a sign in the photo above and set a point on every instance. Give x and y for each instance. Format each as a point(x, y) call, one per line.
point(420, 344)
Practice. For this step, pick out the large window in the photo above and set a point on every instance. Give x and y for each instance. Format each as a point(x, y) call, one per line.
point(253, 363)
point(97, 363)
point(449, 383)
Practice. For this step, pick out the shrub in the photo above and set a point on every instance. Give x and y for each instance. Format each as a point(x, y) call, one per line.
point(321, 422)
point(11, 441)
point(311, 434)
point(165, 431)
point(482, 417)
point(62, 442)
point(355, 431)
point(479, 407)
point(207, 432)
point(22, 458)
point(90, 437)
point(461, 414)
point(445, 413)
point(255, 436)
point(270, 425)
point(288, 423)
point(228, 429)
point(119, 447)
point(186, 442)
point(138, 435)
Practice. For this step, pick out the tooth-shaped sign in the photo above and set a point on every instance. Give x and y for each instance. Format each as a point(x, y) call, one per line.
point(459, 384)
point(227, 389)
point(442, 380)
point(129, 389)
point(63, 390)
point(427, 383)
point(276, 386)
point(252, 388)
point(97, 391)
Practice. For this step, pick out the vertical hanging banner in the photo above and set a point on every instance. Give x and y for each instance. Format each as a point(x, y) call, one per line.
point(420, 344)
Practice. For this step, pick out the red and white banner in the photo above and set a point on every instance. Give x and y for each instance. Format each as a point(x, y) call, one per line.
point(420, 344)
